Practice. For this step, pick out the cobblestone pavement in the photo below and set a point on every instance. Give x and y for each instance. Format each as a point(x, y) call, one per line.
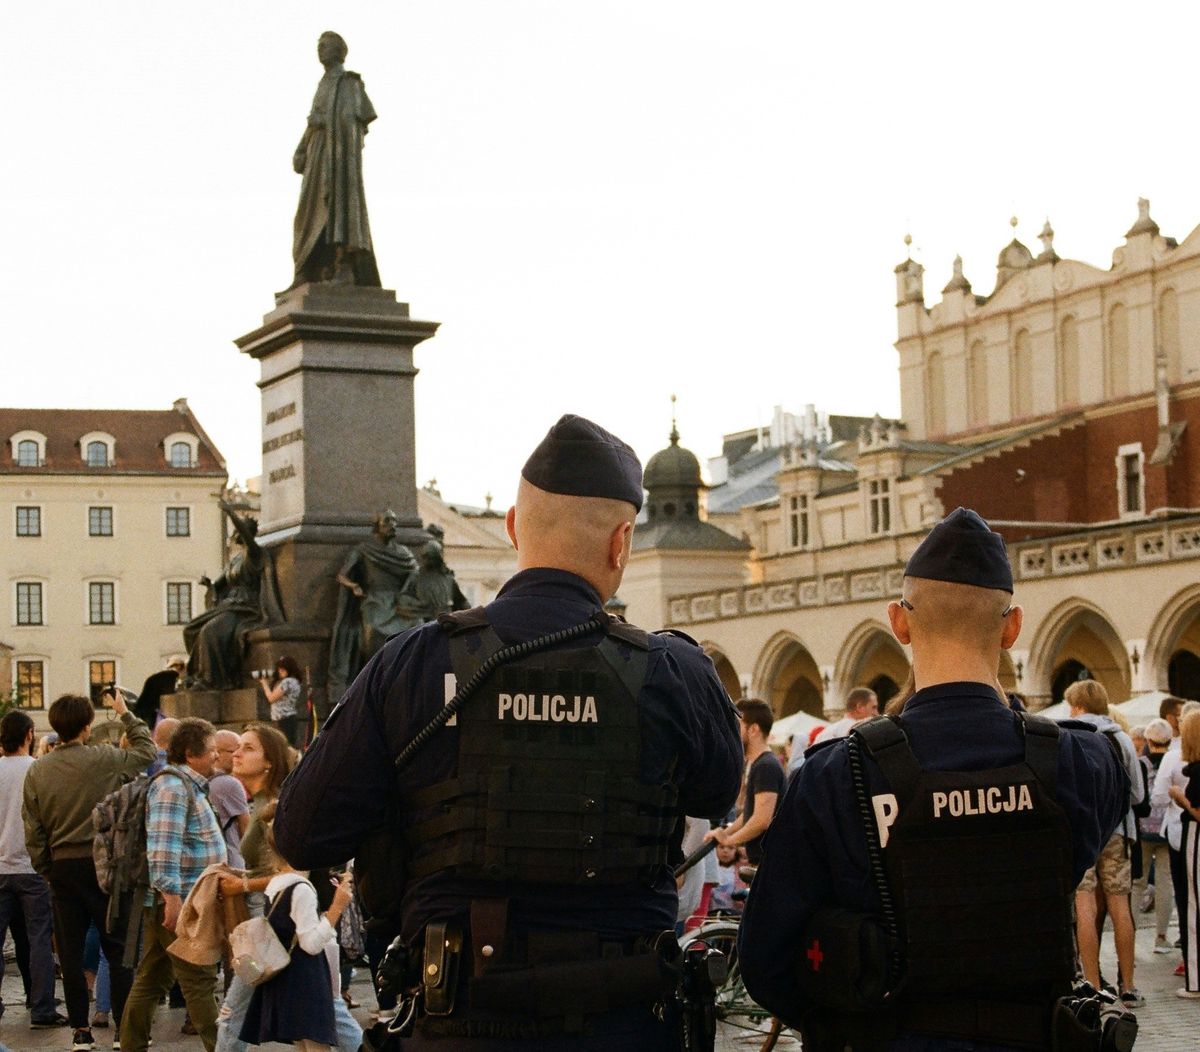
point(1167, 1023)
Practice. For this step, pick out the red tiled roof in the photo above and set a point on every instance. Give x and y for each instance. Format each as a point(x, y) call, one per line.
point(139, 435)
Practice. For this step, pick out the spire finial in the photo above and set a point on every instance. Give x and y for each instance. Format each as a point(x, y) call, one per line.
point(674, 428)
point(1014, 222)
point(908, 245)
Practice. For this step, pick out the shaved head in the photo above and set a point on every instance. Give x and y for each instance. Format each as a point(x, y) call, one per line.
point(163, 731)
point(588, 536)
point(955, 612)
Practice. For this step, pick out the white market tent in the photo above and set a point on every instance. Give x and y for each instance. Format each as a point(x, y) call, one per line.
point(1059, 711)
point(1143, 708)
point(799, 724)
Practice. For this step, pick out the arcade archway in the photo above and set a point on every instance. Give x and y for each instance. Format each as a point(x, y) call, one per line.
point(1078, 642)
point(1173, 649)
point(788, 678)
point(726, 673)
point(871, 657)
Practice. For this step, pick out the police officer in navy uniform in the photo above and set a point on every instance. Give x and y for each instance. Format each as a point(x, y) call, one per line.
point(983, 822)
point(538, 826)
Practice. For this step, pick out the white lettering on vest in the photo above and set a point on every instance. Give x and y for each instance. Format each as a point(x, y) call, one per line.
point(886, 809)
point(986, 801)
point(553, 708)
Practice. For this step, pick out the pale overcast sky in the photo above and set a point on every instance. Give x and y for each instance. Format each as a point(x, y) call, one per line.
point(603, 203)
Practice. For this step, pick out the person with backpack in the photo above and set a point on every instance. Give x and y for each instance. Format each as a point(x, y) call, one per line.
point(183, 838)
point(60, 792)
point(1112, 875)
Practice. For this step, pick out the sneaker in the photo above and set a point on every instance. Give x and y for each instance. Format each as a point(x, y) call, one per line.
point(1132, 999)
point(1161, 945)
point(58, 1019)
point(1188, 995)
point(82, 1041)
point(1180, 969)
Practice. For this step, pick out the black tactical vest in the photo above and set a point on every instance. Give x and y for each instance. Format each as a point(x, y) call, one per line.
point(979, 864)
point(547, 787)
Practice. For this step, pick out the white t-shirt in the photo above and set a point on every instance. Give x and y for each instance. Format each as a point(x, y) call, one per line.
point(14, 857)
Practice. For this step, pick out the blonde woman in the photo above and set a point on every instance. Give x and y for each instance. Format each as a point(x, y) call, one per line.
point(1188, 799)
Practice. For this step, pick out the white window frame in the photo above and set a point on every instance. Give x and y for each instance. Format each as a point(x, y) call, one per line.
point(110, 446)
point(87, 603)
point(41, 510)
point(191, 521)
point(41, 583)
point(883, 498)
point(1128, 450)
point(87, 522)
point(167, 602)
point(29, 436)
point(186, 437)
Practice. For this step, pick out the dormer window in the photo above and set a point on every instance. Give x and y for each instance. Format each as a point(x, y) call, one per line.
point(879, 506)
point(98, 449)
point(181, 449)
point(28, 449)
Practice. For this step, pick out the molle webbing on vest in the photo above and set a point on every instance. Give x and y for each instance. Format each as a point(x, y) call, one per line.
point(980, 865)
point(547, 787)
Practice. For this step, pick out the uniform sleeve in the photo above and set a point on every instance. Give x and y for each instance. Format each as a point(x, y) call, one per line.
point(340, 791)
point(1093, 789)
point(814, 856)
point(694, 713)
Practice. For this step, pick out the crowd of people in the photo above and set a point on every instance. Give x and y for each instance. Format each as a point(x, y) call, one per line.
point(194, 855)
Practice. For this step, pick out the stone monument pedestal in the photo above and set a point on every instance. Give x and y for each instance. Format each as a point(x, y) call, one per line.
point(338, 423)
point(232, 708)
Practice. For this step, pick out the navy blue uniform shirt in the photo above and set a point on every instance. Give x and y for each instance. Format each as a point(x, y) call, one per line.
point(340, 790)
point(815, 853)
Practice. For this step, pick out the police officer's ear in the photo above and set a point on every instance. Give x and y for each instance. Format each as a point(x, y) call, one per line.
point(1013, 621)
point(619, 543)
point(898, 618)
point(510, 526)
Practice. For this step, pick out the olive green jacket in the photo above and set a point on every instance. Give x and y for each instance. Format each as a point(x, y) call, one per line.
point(64, 785)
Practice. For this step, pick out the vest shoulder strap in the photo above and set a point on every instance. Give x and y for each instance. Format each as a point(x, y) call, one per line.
point(887, 743)
point(458, 621)
point(627, 633)
point(1041, 748)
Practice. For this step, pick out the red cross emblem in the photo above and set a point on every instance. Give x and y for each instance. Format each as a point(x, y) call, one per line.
point(815, 955)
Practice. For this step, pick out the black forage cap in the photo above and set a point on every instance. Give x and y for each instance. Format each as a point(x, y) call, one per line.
point(580, 459)
point(962, 549)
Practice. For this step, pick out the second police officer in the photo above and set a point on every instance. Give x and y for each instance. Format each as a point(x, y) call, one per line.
point(981, 824)
point(538, 825)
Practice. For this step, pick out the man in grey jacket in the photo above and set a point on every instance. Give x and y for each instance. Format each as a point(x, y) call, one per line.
point(61, 789)
point(1088, 702)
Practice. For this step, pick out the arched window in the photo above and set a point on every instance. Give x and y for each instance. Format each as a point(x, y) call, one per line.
point(97, 455)
point(181, 455)
point(27, 453)
point(1168, 334)
point(935, 393)
point(977, 399)
point(1022, 375)
point(1068, 362)
point(1118, 351)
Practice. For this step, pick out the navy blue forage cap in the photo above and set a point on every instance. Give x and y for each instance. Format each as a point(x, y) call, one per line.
point(962, 549)
point(580, 459)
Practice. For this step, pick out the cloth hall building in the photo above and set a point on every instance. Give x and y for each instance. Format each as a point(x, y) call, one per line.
point(1064, 406)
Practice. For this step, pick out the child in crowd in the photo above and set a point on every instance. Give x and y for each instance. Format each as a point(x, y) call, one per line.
point(296, 1005)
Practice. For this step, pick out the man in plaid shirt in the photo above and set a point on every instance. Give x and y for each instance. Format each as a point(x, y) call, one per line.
point(183, 837)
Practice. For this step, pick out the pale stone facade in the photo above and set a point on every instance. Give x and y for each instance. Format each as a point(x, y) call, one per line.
point(1064, 407)
point(101, 562)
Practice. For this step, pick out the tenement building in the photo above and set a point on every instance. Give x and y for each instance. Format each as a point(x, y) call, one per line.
point(109, 519)
point(1064, 406)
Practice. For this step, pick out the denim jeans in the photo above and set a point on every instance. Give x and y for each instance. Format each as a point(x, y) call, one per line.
point(29, 894)
point(233, 1014)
